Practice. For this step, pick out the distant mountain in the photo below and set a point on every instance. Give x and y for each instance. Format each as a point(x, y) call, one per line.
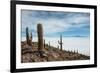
point(75, 36)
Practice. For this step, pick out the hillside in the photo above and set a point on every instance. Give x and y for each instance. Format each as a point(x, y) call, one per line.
point(49, 53)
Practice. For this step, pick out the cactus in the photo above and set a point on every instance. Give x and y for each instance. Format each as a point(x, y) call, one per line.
point(27, 35)
point(31, 35)
point(74, 52)
point(71, 51)
point(68, 52)
point(40, 37)
point(30, 39)
point(60, 42)
point(44, 43)
point(77, 51)
point(58, 47)
point(49, 44)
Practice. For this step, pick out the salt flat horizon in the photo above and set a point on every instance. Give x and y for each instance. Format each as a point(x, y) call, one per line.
point(82, 44)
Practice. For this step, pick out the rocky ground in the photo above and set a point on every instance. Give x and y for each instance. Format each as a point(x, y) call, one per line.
point(49, 53)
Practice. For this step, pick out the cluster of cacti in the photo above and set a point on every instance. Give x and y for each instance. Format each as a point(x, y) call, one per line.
point(60, 42)
point(42, 52)
point(28, 37)
point(40, 37)
point(41, 42)
point(72, 52)
point(76, 51)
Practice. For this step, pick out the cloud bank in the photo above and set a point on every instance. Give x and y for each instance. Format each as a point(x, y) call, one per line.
point(69, 24)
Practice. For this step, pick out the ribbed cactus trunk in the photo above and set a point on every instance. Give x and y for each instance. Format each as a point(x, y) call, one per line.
point(27, 35)
point(40, 37)
point(60, 42)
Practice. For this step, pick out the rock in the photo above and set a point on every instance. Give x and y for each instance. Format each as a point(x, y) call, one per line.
point(32, 54)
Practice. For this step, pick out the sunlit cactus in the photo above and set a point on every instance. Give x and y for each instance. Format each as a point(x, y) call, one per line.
point(40, 36)
point(60, 42)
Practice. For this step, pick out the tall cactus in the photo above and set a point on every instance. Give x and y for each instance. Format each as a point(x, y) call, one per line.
point(60, 42)
point(40, 37)
point(27, 35)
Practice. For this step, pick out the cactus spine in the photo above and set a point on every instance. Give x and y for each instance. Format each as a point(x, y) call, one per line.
point(40, 37)
point(60, 42)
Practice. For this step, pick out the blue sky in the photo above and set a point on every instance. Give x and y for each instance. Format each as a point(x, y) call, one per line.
point(69, 24)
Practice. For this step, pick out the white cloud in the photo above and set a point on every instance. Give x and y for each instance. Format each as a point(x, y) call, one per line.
point(53, 24)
